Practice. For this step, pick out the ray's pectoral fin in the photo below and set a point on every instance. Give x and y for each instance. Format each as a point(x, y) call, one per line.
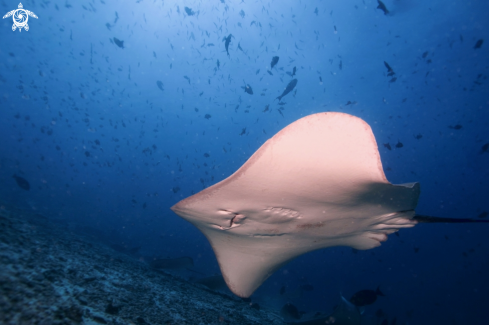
point(247, 262)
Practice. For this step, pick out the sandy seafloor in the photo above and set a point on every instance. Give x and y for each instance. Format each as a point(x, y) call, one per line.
point(51, 275)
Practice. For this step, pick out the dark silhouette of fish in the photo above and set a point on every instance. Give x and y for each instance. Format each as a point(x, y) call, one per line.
point(399, 144)
point(23, 184)
point(288, 89)
point(227, 41)
point(388, 146)
point(478, 44)
point(160, 85)
point(418, 136)
point(485, 148)
point(248, 89)
point(293, 71)
point(455, 127)
point(366, 297)
point(484, 214)
point(390, 71)
point(290, 311)
point(382, 7)
point(274, 61)
point(119, 43)
point(282, 290)
point(189, 11)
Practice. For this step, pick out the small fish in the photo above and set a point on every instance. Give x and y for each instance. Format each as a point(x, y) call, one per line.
point(382, 7)
point(160, 85)
point(484, 214)
point(320, 79)
point(218, 64)
point(293, 72)
point(189, 11)
point(188, 79)
point(282, 290)
point(119, 43)
point(22, 183)
point(478, 44)
point(290, 311)
point(388, 146)
point(418, 136)
point(485, 148)
point(207, 116)
point(389, 69)
point(288, 89)
point(243, 132)
point(274, 61)
point(365, 297)
point(226, 41)
point(266, 108)
point(399, 144)
point(455, 127)
point(248, 89)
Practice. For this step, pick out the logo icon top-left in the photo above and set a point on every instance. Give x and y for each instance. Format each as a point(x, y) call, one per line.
point(20, 17)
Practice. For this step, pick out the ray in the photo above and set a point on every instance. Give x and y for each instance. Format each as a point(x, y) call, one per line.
point(317, 183)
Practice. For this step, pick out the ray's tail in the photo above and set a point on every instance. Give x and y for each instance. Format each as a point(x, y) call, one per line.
point(430, 219)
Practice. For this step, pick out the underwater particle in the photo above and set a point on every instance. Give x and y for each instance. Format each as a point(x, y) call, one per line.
point(478, 44)
point(366, 297)
point(22, 182)
point(119, 43)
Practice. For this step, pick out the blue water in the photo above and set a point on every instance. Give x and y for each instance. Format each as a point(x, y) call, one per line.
point(111, 136)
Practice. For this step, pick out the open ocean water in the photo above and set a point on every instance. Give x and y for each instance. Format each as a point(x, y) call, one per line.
point(111, 112)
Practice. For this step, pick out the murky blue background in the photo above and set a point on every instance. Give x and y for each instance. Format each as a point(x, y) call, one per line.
point(108, 152)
